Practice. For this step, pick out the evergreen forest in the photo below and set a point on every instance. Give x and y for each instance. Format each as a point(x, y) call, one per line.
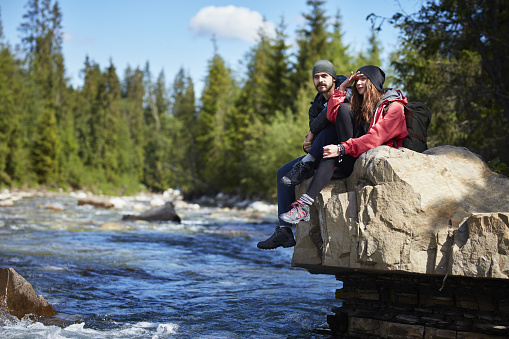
point(129, 130)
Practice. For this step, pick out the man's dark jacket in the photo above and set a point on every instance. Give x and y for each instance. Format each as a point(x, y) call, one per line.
point(318, 111)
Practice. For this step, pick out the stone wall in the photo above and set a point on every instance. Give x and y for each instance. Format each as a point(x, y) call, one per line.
point(420, 306)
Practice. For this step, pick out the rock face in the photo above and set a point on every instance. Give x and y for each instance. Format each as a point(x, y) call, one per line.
point(162, 213)
point(18, 298)
point(438, 212)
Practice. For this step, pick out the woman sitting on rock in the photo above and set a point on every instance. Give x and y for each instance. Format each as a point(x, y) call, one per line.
point(387, 126)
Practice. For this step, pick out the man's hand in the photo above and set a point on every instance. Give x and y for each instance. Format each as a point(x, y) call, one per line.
point(308, 141)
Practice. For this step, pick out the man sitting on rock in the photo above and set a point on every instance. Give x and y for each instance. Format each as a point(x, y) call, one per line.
point(321, 132)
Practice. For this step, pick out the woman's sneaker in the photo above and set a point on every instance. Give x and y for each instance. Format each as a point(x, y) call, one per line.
point(299, 172)
point(299, 211)
point(282, 236)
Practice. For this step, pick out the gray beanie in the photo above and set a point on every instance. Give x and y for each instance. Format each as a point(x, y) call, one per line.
point(375, 74)
point(324, 66)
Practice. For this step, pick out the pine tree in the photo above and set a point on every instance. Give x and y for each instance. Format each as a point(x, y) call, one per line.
point(110, 104)
point(252, 105)
point(15, 95)
point(183, 133)
point(253, 100)
point(133, 93)
point(42, 38)
point(162, 101)
point(99, 127)
point(279, 95)
point(338, 52)
point(69, 160)
point(84, 115)
point(266, 91)
point(151, 113)
point(153, 147)
point(45, 152)
point(193, 151)
point(214, 141)
point(312, 46)
point(165, 151)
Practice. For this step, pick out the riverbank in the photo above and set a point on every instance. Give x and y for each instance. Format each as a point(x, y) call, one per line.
point(255, 209)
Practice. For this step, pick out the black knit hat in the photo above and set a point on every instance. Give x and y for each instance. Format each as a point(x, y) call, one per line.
point(375, 74)
point(324, 66)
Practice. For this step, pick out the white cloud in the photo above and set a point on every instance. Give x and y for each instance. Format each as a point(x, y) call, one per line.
point(68, 37)
point(230, 22)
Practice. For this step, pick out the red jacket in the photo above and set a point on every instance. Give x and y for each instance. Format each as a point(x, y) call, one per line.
point(384, 129)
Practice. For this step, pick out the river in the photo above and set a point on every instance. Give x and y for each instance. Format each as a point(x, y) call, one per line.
point(201, 278)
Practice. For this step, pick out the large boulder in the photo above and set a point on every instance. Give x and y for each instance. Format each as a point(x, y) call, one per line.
point(18, 298)
point(160, 213)
point(438, 212)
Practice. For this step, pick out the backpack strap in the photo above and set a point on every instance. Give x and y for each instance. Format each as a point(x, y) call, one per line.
point(386, 108)
point(418, 137)
point(384, 112)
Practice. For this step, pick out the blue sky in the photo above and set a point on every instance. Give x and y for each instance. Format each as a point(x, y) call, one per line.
point(173, 34)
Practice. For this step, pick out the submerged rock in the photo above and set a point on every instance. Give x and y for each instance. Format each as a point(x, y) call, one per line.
point(114, 226)
point(18, 298)
point(160, 213)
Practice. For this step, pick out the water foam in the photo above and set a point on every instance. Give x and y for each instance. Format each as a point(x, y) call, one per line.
point(21, 328)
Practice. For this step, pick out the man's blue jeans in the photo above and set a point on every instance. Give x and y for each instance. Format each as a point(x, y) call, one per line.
point(285, 194)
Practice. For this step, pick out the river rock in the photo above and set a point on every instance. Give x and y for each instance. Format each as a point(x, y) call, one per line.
point(18, 298)
point(160, 213)
point(438, 212)
point(114, 226)
point(6, 203)
point(97, 202)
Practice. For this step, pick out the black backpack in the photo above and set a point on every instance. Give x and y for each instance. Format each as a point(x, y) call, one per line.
point(418, 118)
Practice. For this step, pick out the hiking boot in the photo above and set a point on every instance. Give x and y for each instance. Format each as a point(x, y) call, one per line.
point(299, 172)
point(282, 236)
point(299, 211)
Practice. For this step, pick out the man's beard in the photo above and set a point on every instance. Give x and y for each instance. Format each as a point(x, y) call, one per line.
point(324, 91)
